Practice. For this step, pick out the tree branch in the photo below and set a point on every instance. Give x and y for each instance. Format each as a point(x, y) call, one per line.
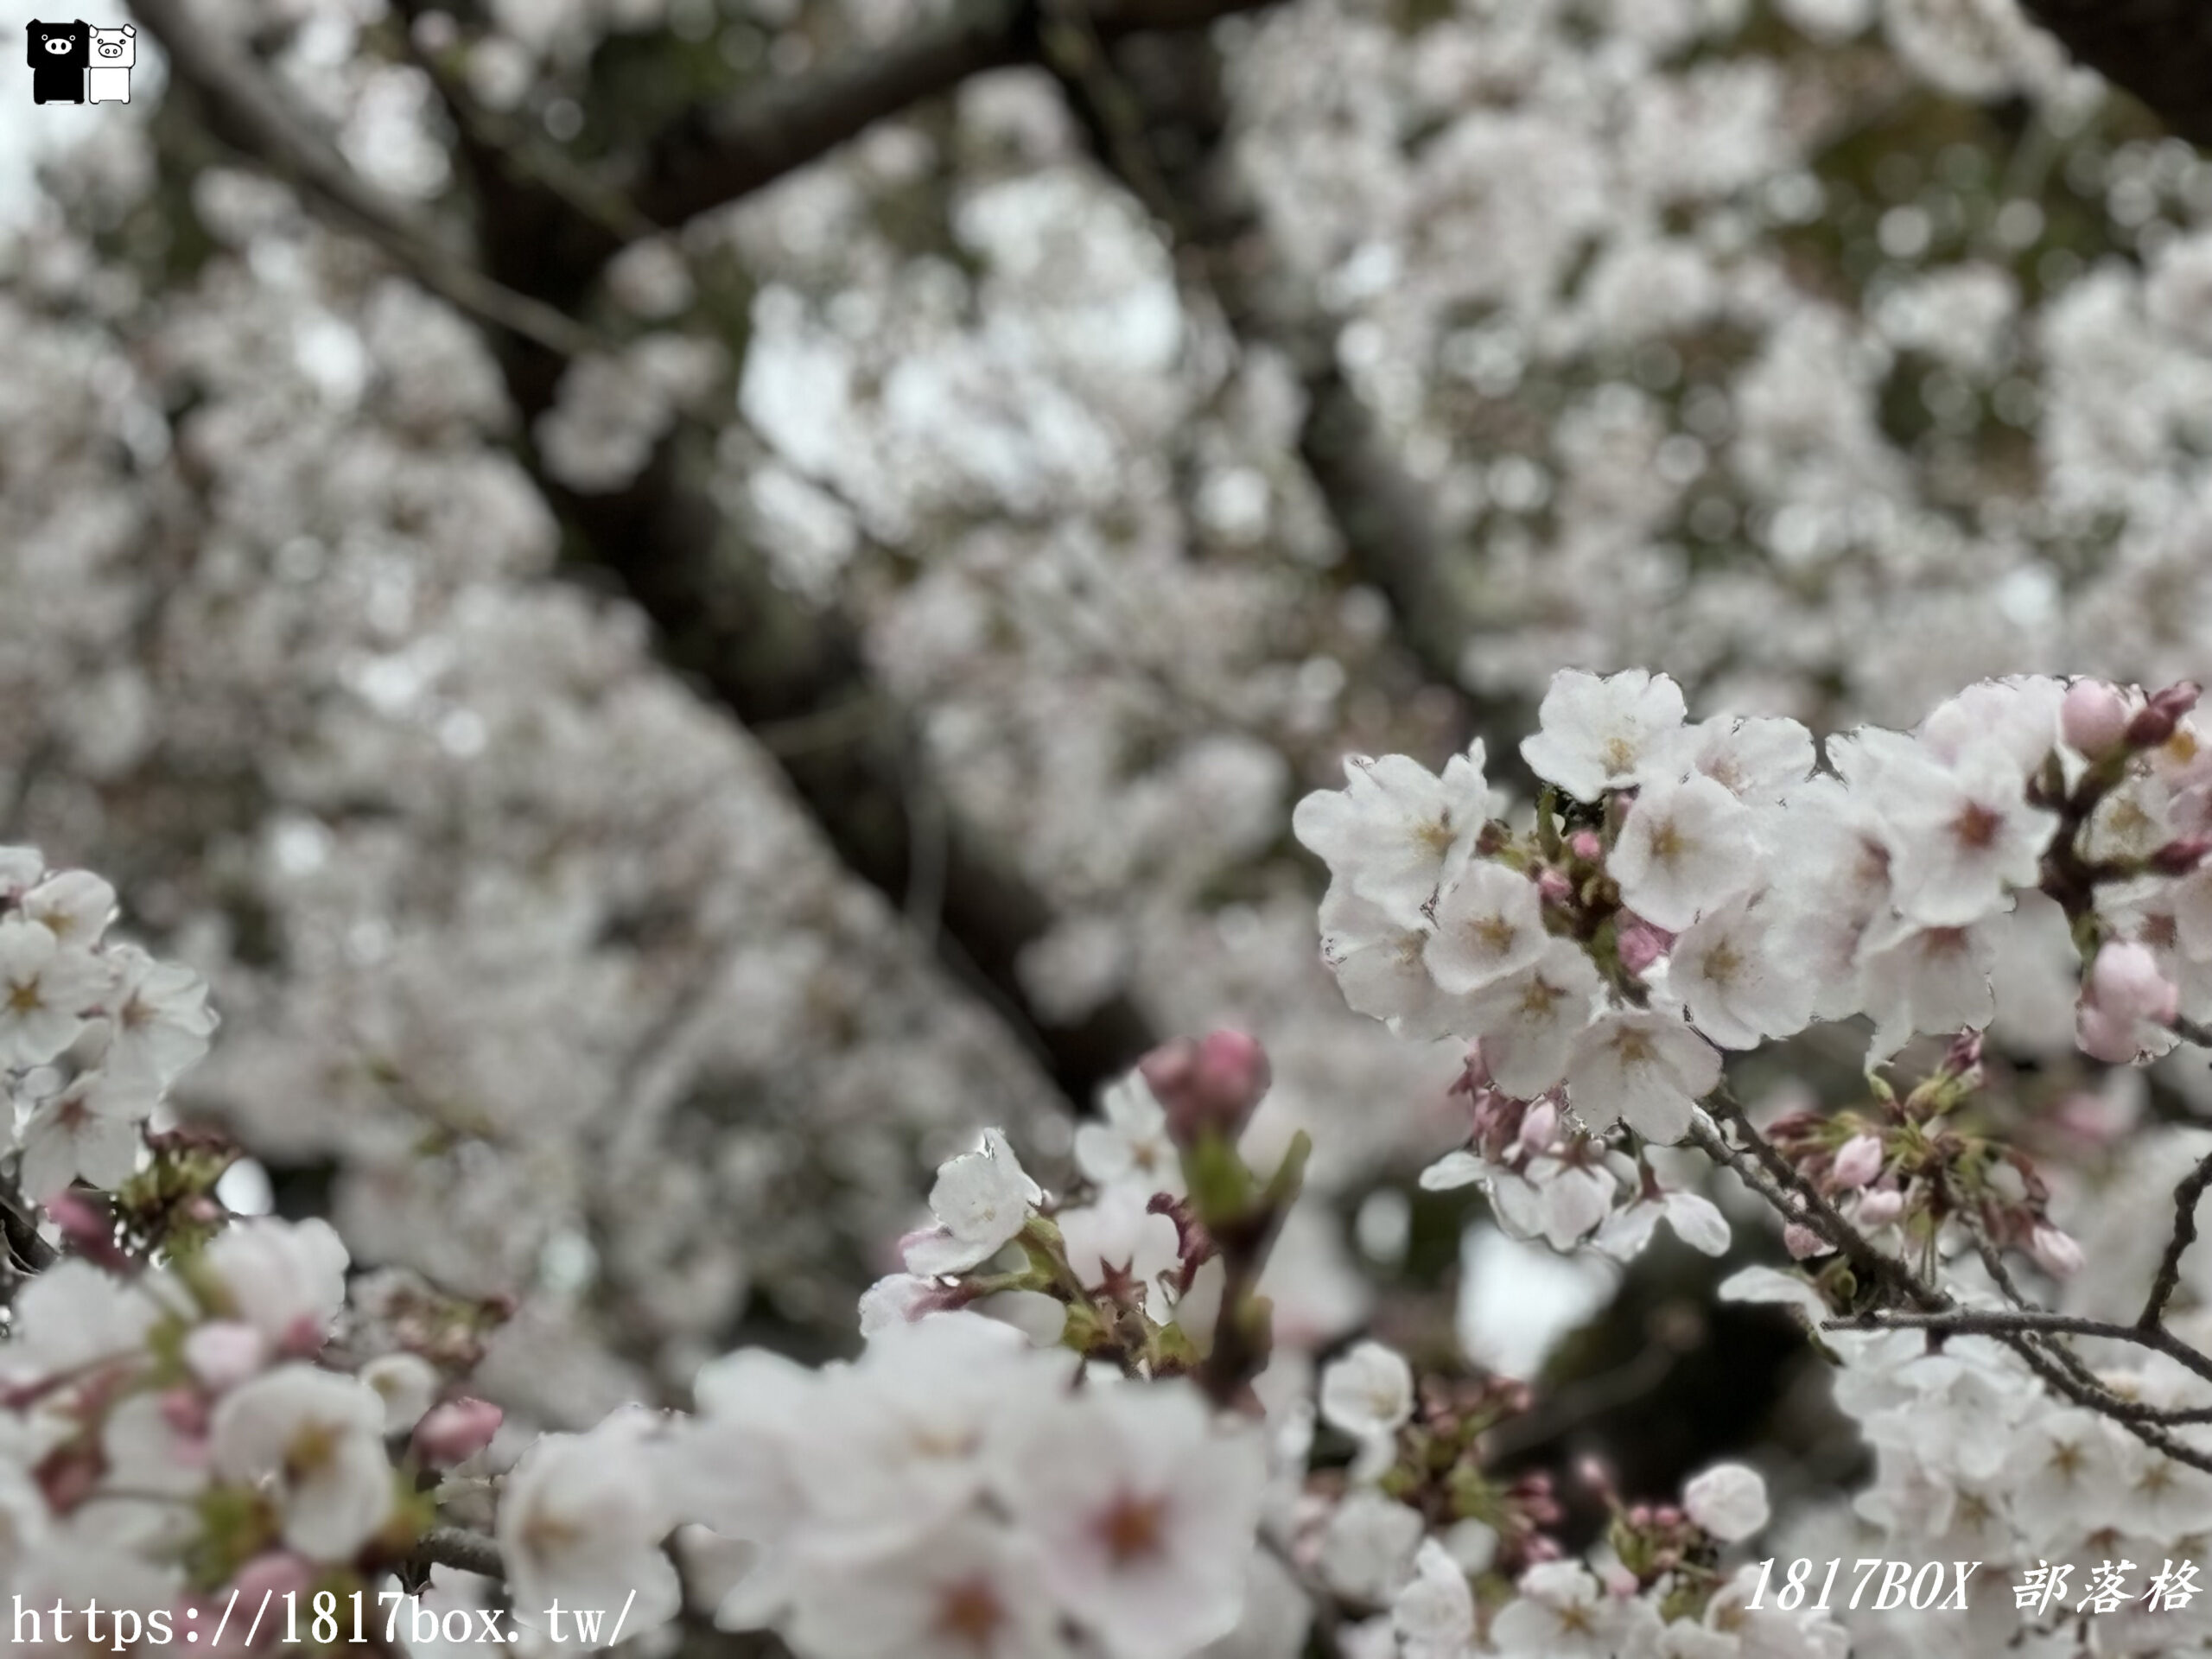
point(2029, 1332)
point(722, 620)
point(1158, 115)
point(2187, 1192)
point(722, 152)
point(466, 1551)
point(1812, 1208)
point(240, 107)
point(2018, 1321)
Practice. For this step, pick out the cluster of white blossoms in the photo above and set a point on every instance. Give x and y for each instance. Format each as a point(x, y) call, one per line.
point(1456, 1565)
point(956, 1494)
point(1071, 1430)
point(1684, 888)
point(93, 1031)
point(177, 1430)
point(1975, 1460)
point(1067, 1434)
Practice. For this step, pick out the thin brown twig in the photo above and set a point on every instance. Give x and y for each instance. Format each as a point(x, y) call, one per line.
point(247, 111)
point(2187, 1193)
point(458, 1548)
point(1802, 1202)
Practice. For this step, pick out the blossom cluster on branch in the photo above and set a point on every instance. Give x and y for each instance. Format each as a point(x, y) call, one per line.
point(1683, 890)
point(1072, 1430)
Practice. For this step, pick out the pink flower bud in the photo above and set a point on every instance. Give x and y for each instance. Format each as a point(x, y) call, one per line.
point(304, 1337)
point(185, 1410)
point(2126, 990)
point(457, 1431)
point(89, 1230)
point(1540, 1128)
point(1552, 887)
point(1879, 1206)
point(1619, 1582)
point(1213, 1083)
point(2181, 857)
point(70, 1476)
point(1474, 1078)
point(1963, 1053)
point(225, 1353)
point(1858, 1162)
point(2094, 717)
point(1585, 845)
point(269, 1577)
point(2154, 723)
point(1596, 1476)
point(1802, 1242)
point(1641, 944)
point(2054, 1252)
point(2101, 1120)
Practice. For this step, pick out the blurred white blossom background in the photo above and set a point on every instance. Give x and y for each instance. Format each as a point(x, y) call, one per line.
point(644, 789)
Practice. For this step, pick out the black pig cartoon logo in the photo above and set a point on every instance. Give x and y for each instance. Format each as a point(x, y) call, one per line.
point(60, 54)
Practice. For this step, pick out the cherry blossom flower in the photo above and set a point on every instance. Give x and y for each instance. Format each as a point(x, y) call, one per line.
point(1489, 926)
point(1761, 760)
point(1132, 1143)
point(313, 1441)
point(286, 1279)
point(1684, 850)
point(72, 1317)
point(407, 1383)
point(1380, 965)
point(968, 1592)
point(909, 1435)
point(1394, 830)
point(1645, 1069)
point(1736, 987)
point(74, 905)
point(1695, 1219)
point(20, 869)
point(1597, 731)
point(981, 1200)
point(1119, 1238)
point(1960, 834)
point(45, 990)
point(161, 1021)
point(87, 1131)
point(1529, 1024)
point(1434, 1615)
point(1368, 1393)
point(733, 1463)
point(225, 1353)
point(1927, 979)
point(1731, 1626)
point(1370, 1547)
point(581, 1518)
point(1555, 1199)
point(1143, 1511)
point(1728, 1500)
point(1563, 1613)
point(901, 1299)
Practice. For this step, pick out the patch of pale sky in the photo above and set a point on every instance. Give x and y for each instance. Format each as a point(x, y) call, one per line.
point(1518, 1301)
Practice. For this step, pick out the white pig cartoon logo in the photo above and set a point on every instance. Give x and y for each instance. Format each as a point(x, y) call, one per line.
point(114, 52)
